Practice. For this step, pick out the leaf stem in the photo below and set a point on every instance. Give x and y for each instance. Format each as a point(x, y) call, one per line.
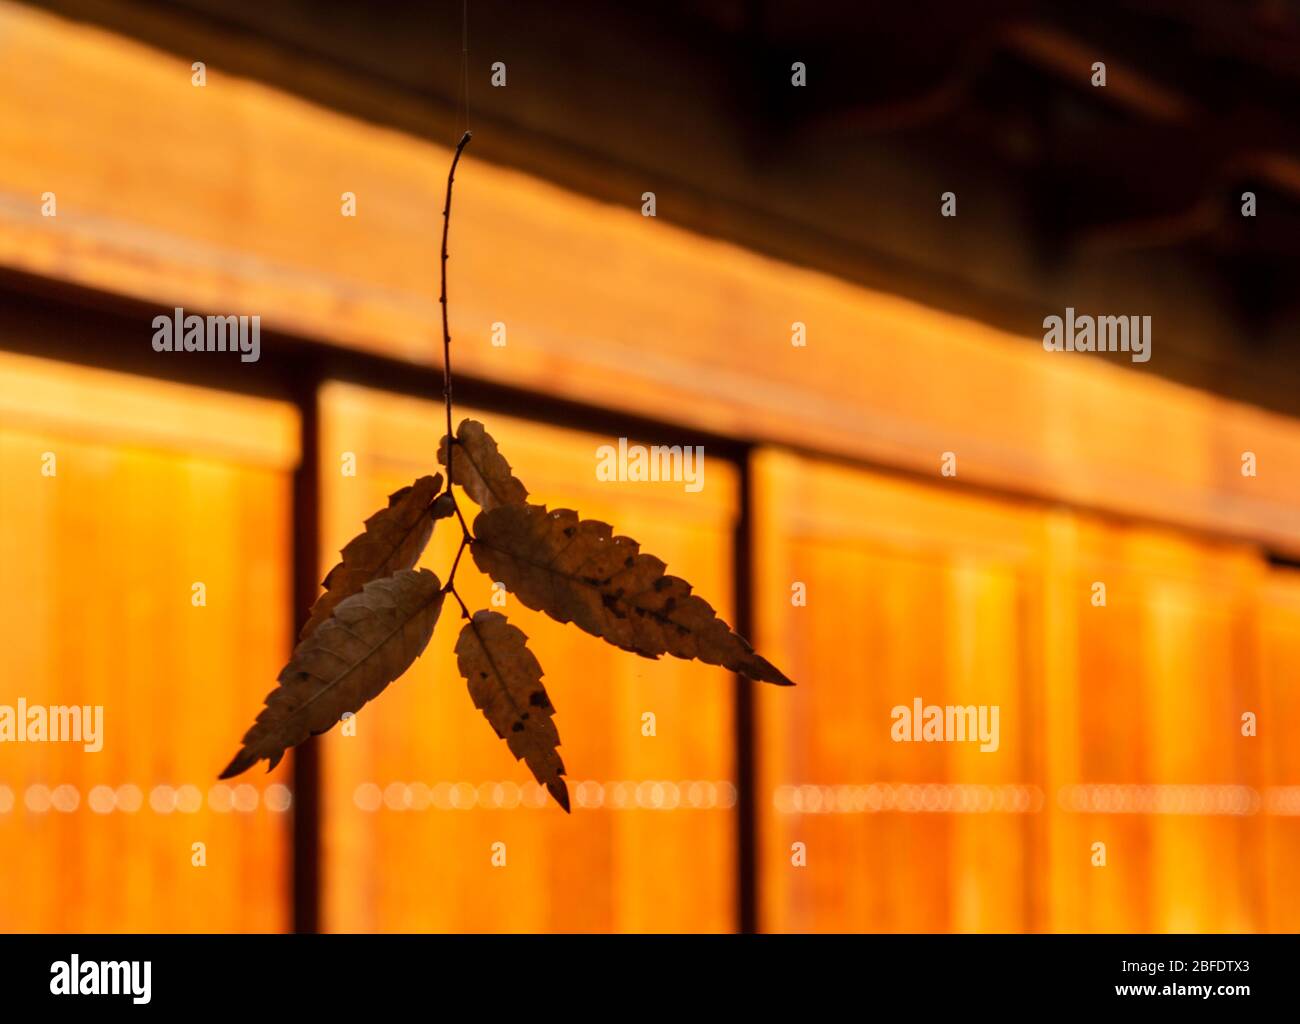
point(446, 329)
point(464, 543)
point(464, 528)
point(466, 537)
point(464, 611)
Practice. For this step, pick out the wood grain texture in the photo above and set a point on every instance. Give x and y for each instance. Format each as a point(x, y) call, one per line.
point(1277, 761)
point(99, 563)
point(620, 866)
point(967, 600)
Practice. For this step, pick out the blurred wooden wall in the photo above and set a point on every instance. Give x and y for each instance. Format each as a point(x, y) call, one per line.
point(414, 802)
point(1119, 724)
point(233, 206)
point(155, 487)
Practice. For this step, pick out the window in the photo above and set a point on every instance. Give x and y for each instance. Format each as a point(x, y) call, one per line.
point(413, 803)
point(117, 496)
point(1120, 722)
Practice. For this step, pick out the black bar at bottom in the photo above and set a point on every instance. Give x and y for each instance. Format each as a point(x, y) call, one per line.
point(903, 975)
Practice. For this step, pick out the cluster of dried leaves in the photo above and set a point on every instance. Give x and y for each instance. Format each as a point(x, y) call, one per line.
point(377, 612)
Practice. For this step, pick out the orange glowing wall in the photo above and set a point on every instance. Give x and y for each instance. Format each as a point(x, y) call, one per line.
point(1120, 724)
point(1276, 652)
point(117, 495)
point(910, 593)
point(414, 802)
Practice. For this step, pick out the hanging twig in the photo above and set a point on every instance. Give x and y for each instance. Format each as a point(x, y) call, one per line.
point(466, 537)
point(381, 612)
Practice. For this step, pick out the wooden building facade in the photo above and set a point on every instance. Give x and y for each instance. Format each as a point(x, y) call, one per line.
point(944, 493)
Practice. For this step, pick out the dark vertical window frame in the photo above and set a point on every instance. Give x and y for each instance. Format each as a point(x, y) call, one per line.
point(305, 862)
point(745, 736)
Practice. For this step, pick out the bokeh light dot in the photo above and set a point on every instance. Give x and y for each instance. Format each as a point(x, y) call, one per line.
point(129, 798)
point(245, 798)
point(163, 799)
point(368, 797)
point(189, 799)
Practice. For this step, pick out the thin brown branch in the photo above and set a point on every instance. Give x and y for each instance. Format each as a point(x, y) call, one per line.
point(446, 329)
point(446, 365)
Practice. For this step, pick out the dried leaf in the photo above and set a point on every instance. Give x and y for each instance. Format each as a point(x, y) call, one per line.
point(393, 540)
point(481, 469)
point(576, 571)
point(505, 682)
point(371, 639)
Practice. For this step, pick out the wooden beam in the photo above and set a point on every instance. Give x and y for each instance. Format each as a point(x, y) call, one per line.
point(227, 199)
